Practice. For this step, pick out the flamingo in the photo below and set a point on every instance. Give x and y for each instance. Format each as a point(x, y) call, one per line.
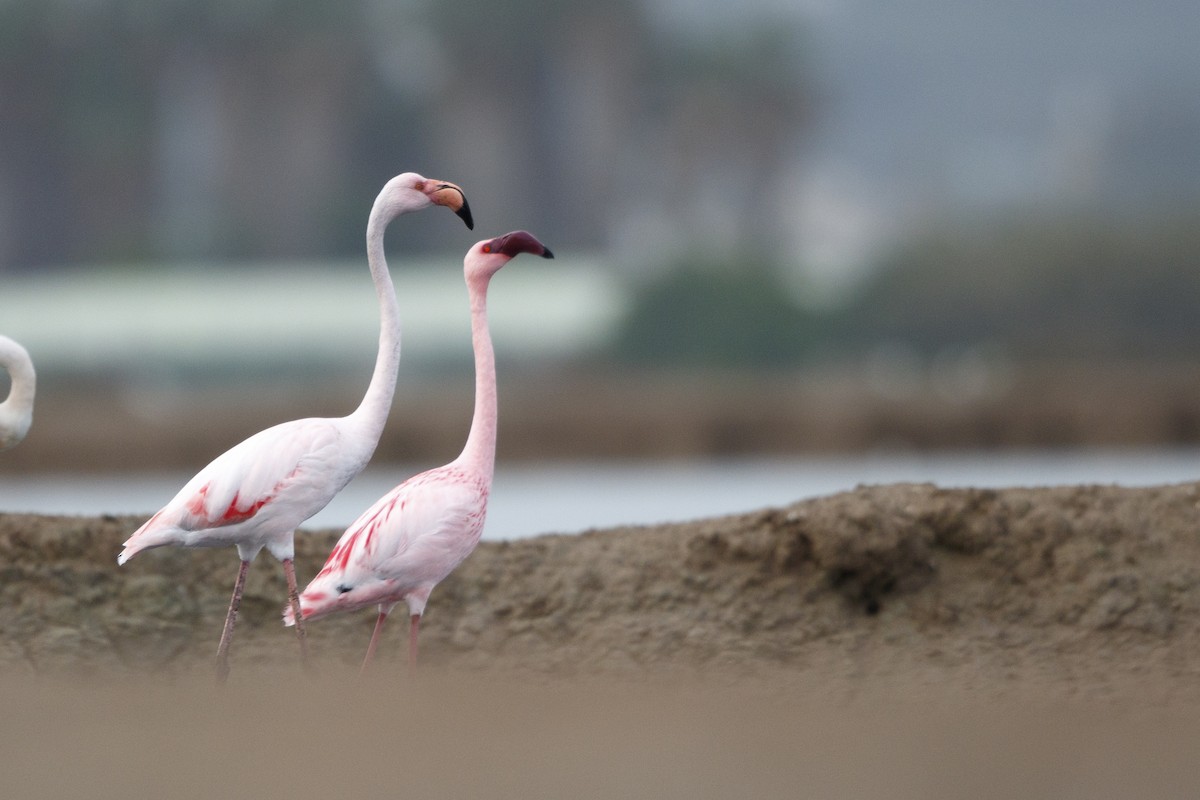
point(16, 412)
point(416, 534)
point(256, 494)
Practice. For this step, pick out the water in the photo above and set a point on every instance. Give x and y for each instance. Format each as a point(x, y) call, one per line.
point(574, 496)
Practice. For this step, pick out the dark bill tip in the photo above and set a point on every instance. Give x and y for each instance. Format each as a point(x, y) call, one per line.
point(465, 214)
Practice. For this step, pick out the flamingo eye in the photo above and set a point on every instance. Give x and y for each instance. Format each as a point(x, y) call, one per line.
point(487, 248)
point(343, 588)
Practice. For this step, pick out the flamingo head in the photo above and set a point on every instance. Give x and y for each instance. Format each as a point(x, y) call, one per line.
point(488, 256)
point(410, 191)
point(331, 592)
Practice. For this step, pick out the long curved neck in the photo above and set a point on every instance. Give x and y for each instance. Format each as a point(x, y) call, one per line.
point(372, 412)
point(480, 450)
point(16, 412)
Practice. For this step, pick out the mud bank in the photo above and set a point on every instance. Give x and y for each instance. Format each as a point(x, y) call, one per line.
point(891, 642)
point(1082, 589)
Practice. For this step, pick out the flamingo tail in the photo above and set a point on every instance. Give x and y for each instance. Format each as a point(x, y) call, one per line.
point(145, 538)
point(289, 617)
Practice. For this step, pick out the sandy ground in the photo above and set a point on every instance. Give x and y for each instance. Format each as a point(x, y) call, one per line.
point(895, 641)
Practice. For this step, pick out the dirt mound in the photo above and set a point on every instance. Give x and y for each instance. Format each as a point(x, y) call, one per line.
point(1083, 587)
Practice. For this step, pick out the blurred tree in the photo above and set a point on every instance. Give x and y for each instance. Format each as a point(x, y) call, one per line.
point(184, 128)
point(1041, 288)
point(144, 129)
point(736, 109)
point(717, 315)
point(587, 121)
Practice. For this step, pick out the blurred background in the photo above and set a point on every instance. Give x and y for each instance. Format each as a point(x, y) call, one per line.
point(796, 240)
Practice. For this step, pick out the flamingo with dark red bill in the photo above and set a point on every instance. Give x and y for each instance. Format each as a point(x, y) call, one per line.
point(256, 494)
point(416, 534)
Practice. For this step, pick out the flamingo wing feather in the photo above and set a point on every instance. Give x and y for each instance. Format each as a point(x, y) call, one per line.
point(407, 522)
point(290, 469)
point(246, 478)
point(409, 540)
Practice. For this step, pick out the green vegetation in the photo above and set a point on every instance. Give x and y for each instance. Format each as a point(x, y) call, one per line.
point(716, 316)
point(1041, 288)
point(1034, 288)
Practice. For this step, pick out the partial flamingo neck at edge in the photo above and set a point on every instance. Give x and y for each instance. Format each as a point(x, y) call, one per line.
point(17, 408)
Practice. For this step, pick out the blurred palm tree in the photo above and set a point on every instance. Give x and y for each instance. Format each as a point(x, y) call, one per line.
point(147, 130)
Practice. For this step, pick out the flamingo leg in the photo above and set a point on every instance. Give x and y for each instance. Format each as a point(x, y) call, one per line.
point(230, 620)
point(374, 641)
point(289, 572)
point(414, 625)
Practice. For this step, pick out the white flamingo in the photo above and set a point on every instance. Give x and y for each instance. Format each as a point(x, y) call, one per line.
point(417, 533)
point(256, 494)
point(16, 412)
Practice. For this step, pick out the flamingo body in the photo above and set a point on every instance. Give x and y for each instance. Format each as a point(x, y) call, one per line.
point(416, 534)
point(16, 412)
point(403, 545)
point(255, 494)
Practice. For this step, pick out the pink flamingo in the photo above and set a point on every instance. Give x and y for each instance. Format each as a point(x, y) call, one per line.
point(16, 412)
point(256, 494)
point(417, 533)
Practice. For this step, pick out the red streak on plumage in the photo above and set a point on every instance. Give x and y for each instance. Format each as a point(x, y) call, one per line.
point(340, 557)
point(373, 528)
point(231, 515)
point(234, 514)
point(196, 504)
